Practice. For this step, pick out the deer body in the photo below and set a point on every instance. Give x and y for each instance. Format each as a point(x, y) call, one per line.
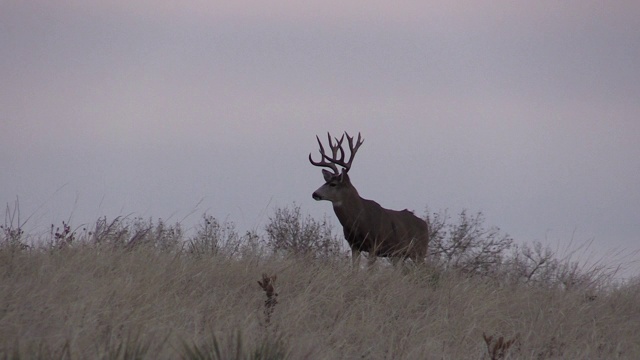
point(368, 226)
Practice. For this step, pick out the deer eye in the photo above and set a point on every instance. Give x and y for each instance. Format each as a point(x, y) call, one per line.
point(333, 184)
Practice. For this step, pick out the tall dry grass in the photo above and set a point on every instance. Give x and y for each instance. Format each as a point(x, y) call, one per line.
point(94, 302)
point(133, 293)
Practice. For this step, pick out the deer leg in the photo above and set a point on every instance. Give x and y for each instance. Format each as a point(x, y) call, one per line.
point(372, 258)
point(395, 260)
point(355, 258)
point(418, 260)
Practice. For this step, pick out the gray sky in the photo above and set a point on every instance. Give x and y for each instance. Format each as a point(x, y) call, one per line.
point(528, 112)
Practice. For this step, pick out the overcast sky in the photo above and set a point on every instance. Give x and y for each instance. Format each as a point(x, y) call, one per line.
point(526, 111)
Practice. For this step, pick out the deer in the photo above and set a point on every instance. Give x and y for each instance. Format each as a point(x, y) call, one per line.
point(367, 226)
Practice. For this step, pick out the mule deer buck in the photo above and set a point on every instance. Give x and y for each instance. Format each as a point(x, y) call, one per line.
point(368, 226)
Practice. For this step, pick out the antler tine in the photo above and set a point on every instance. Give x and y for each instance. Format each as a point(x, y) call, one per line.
point(322, 162)
point(331, 162)
point(335, 148)
point(352, 149)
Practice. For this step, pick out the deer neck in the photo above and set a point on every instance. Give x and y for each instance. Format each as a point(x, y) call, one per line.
point(349, 208)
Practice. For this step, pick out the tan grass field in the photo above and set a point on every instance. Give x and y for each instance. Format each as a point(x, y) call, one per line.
point(101, 302)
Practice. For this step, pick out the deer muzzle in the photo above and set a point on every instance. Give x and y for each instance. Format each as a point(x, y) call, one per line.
point(316, 196)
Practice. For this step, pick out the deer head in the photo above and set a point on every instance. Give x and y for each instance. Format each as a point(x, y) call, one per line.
point(337, 185)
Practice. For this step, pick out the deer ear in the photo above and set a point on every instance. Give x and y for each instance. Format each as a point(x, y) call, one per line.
point(327, 175)
point(344, 176)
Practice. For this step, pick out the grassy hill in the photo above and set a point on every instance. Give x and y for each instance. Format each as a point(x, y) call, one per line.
point(121, 291)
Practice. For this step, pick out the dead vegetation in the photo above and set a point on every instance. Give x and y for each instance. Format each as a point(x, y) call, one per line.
point(268, 285)
point(136, 289)
point(498, 348)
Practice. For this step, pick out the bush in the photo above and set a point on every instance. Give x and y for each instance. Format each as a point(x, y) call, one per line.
point(11, 233)
point(122, 232)
point(290, 231)
point(467, 245)
point(214, 237)
point(539, 265)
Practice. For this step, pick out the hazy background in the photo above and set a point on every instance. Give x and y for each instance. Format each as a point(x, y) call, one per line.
point(527, 111)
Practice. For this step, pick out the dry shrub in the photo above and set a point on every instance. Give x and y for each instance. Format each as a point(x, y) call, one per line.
point(12, 232)
point(128, 233)
point(290, 231)
point(539, 265)
point(498, 348)
point(268, 285)
point(215, 237)
point(466, 245)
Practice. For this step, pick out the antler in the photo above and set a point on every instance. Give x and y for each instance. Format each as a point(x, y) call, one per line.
point(331, 162)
